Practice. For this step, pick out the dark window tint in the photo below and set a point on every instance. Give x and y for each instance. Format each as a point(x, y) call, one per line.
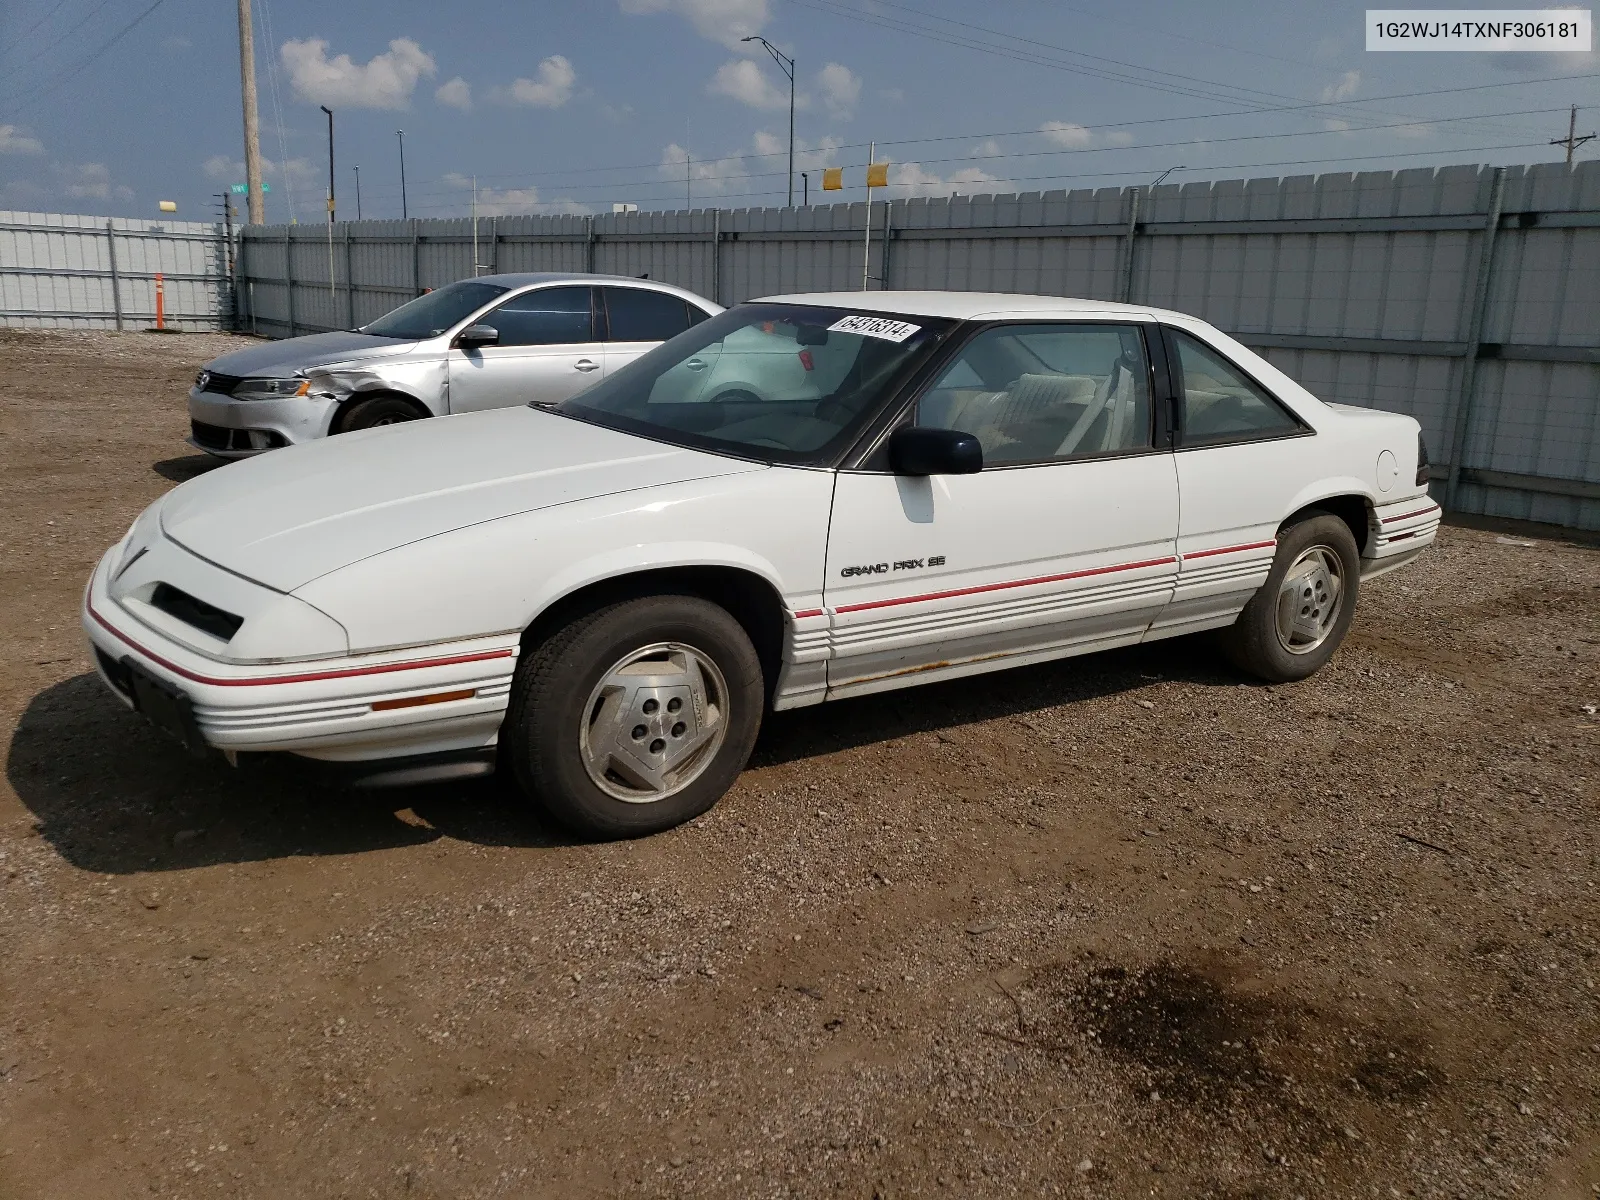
point(431, 314)
point(549, 317)
point(637, 315)
point(1220, 404)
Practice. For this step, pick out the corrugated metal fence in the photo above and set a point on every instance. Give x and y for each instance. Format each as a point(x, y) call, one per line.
point(60, 271)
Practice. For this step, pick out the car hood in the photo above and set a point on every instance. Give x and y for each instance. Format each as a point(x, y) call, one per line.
point(288, 517)
point(279, 359)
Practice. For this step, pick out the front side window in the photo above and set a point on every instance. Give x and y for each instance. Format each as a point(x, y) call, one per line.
point(782, 383)
point(641, 315)
point(558, 316)
point(1221, 404)
point(433, 313)
point(1045, 393)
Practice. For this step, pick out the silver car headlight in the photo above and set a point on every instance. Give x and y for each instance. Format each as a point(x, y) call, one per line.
point(271, 389)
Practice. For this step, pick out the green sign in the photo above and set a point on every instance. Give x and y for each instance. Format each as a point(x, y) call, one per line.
point(240, 189)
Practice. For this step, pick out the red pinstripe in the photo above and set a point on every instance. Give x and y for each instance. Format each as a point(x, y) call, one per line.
point(1229, 549)
point(995, 587)
point(308, 677)
point(1409, 515)
point(808, 612)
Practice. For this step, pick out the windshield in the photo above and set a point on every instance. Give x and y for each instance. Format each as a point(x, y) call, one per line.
point(431, 314)
point(777, 382)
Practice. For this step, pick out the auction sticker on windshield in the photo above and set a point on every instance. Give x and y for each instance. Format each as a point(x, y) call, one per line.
point(877, 327)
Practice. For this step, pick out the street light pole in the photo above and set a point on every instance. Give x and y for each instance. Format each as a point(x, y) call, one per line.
point(329, 111)
point(401, 134)
point(786, 65)
point(358, 191)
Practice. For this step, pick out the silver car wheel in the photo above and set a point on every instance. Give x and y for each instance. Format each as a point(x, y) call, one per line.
point(1309, 599)
point(654, 722)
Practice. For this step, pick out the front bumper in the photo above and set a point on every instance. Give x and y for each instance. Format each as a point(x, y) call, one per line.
point(354, 708)
point(231, 428)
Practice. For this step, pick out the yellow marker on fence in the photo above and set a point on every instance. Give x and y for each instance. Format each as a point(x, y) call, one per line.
point(168, 206)
point(833, 179)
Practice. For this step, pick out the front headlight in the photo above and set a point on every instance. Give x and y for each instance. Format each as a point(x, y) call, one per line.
point(271, 389)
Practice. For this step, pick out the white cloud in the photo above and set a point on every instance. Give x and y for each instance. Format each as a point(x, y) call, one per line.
point(840, 88)
point(746, 82)
point(499, 202)
point(808, 156)
point(13, 142)
point(230, 170)
point(90, 181)
point(387, 81)
point(551, 89)
point(617, 114)
point(1120, 138)
point(455, 93)
point(913, 179)
point(1419, 129)
point(1067, 134)
point(1348, 83)
point(725, 21)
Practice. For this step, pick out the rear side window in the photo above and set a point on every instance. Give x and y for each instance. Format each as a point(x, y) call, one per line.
point(641, 315)
point(1220, 403)
point(548, 317)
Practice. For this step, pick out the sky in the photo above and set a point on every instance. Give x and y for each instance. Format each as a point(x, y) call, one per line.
point(108, 107)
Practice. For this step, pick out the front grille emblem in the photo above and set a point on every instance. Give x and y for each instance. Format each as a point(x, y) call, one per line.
point(201, 380)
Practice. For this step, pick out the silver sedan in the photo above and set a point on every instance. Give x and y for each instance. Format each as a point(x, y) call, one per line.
point(489, 342)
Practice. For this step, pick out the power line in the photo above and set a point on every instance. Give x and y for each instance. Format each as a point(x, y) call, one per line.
point(1027, 54)
point(626, 183)
point(94, 12)
point(1106, 125)
point(40, 92)
point(1138, 173)
point(28, 32)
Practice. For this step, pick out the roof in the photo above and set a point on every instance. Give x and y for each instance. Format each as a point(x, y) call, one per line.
point(524, 278)
point(965, 306)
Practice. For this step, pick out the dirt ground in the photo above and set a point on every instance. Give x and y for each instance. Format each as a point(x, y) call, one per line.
point(1120, 926)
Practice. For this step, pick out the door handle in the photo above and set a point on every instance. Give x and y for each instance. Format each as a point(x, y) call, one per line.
point(694, 364)
point(586, 364)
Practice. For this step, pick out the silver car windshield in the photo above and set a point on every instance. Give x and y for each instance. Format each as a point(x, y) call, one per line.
point(431, 314)
point(776, 382)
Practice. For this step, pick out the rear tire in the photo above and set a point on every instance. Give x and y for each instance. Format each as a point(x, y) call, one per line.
point(1292, 626)
point(634, 717)
point(378, 411)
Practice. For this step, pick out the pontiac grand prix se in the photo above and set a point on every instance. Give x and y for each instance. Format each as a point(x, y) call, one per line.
point(801, 499)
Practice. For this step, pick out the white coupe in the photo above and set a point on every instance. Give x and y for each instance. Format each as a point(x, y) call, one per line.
point(801, 499)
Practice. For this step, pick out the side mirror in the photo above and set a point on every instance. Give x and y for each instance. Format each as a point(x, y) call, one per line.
point(914, 450)
point(477, 335)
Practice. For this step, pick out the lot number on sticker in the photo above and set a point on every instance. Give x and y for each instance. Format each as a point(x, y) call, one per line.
point(877, 327)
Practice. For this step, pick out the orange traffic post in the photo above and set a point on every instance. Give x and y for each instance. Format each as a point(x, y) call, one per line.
point(161, 303)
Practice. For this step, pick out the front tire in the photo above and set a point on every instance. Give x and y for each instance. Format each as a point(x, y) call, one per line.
point(1292, 626)
point(377, 412)
point(635, 717)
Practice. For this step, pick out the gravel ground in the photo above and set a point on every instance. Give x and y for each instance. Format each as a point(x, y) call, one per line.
point(1120, 926)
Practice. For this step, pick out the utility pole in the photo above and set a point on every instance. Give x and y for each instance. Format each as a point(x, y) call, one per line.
point(786, 65)
point(401, 134)
point(358, 191)
point(805, 188)
point(255, 201)
point(1573, 140)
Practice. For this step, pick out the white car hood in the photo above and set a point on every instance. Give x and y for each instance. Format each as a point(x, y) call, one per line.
point(288, 517)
